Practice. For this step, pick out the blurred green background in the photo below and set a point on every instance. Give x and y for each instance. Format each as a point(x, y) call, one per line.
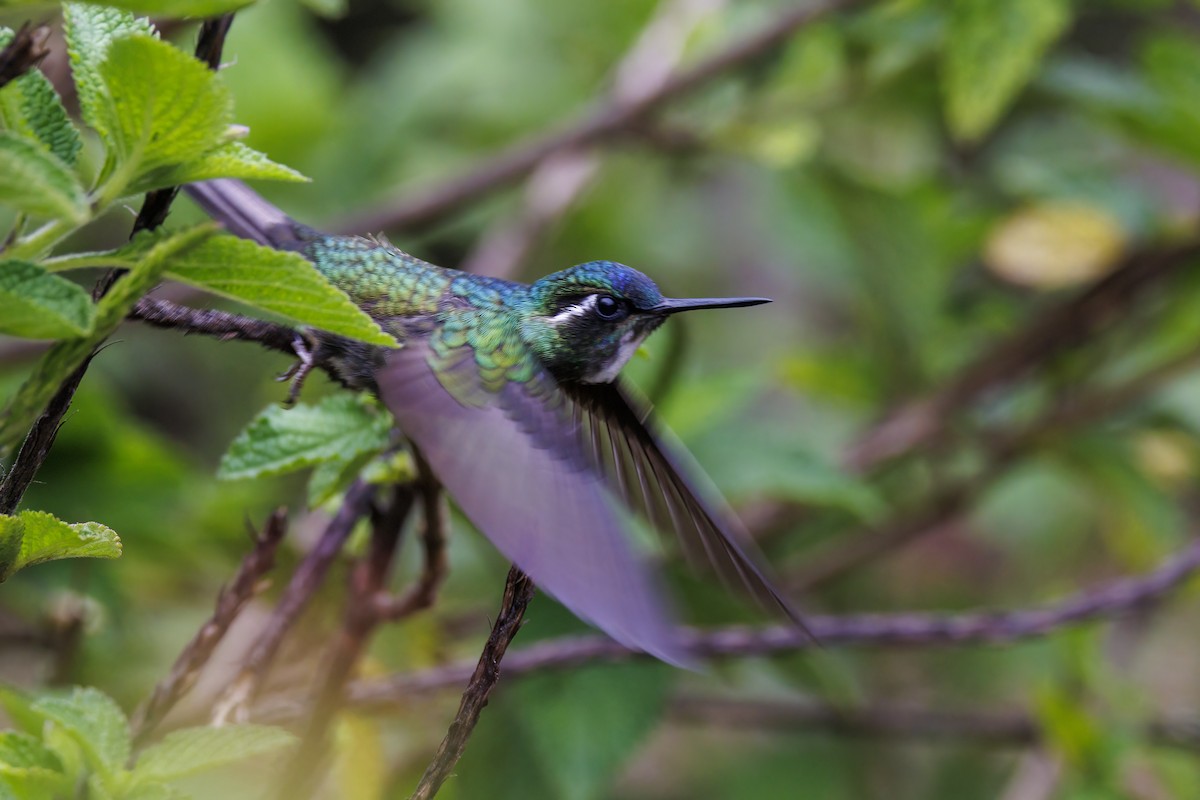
point(911, 181)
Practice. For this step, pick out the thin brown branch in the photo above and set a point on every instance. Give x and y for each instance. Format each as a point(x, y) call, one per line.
point(518, 591)
point(423, 593)
point(864, 630)
point(898, 723)
point(1002, 448)
point(611, 116)
point(308, 577)
point(367, 580)
point(920, 422)
point(556, 182)
point(38, 441)
point(247, 583)
point(24, 52)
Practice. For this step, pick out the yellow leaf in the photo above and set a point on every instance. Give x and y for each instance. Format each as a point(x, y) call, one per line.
point(1054, 245)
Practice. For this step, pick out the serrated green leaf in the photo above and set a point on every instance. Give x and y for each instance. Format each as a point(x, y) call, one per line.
point(161, 105)
point(992, 50)
point(192, 750)
point(90, 30)
point(95, 722)
point(273, 280)
point(177, 9)
point(67, 355)
point(230, 160)
point(283, 440)
point(37, 182)
point(30, 106)
point(38, 305)
point(19, 750)
point(29, 767)
point(46, 538)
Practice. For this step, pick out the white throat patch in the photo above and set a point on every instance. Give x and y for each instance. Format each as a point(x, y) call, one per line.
point(607, 373)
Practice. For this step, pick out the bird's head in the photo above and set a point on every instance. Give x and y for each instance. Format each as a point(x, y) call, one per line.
point(585, 322)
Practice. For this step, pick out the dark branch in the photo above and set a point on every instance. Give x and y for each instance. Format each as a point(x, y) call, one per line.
point(367, 580)
point(247, 583)
point(872, 630)
point(38, 442)
point(920, 422)
point(612, 116)
point(23, 53)
point(433, 540)
point(897, 723)
point(518, 591)
point(305, 581)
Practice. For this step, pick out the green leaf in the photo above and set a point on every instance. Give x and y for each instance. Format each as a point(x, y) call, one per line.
point(331, 477)
point(29, 767)
point(192, 750)
point(30, 106)
point(283, 440)
point(43, 537)
point(38, 305)
point(95, 722)
point(230, 160)
point(273, 280)
point(176, 9)
point(19, 750)
point(992, 49)
point(161, 105)
point(89, 31)
point(37, 182)
point(64, 357)
point(12, 532)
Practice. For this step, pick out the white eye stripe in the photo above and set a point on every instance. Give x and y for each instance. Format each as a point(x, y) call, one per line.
point(577, 310)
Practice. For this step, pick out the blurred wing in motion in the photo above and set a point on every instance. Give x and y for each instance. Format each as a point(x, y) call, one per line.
point(515, 466)
point(654, 477)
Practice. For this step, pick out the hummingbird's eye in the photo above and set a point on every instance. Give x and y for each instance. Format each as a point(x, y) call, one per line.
point(608, 307)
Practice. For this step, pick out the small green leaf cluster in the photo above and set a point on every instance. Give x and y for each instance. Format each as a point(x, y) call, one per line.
point(68, 741)
point(162, 118)
point(337, 436)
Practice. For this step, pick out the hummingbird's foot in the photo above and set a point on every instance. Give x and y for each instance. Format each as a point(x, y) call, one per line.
point(305, 349)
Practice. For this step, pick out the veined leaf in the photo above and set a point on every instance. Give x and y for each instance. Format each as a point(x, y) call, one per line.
point(992, 50)
point(29, 767)
point(95, 722)
point(230, 160)
point(283, 440)
point(35, 181)
point(43, 537)
point(29, 106)
point(65, 356)
point(177, 9)
point(162, 106)
point(191, 750)
point(38, 305)
point(89, 32)
point(276, 281)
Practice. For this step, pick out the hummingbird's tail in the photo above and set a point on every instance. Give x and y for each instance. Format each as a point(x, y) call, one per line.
point(247, 214)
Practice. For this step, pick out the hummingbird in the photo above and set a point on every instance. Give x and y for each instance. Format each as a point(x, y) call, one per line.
point(509, 392)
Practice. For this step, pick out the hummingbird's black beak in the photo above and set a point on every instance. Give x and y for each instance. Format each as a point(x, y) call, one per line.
point(670, 306)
